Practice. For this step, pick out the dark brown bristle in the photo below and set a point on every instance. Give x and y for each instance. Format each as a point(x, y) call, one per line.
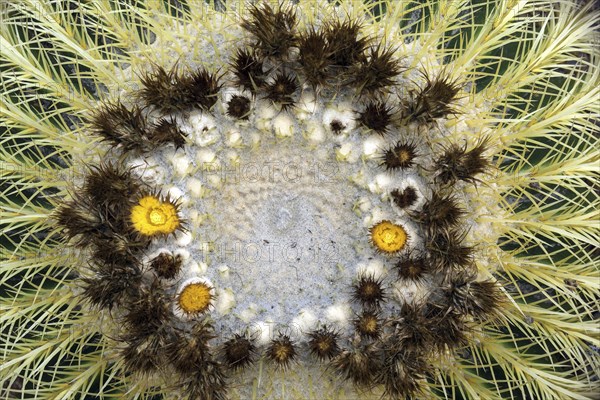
point(448, 328)
point(411, 327)
point(368, 324)
point(165, 131)
point(163, 89)
point(323, 343)
point(404, 198)
point(336, 126)
point(110, 185)
point(281, 90)
point(377, 73)
point(459, 164)
point(400, 156)
point(111, 249)
point(238, 107)
point(143, 354)
point(358, 364)
point(149, 310)
point(440, 211)
point(475, 162)
point(434, 100)
point(376, 116)
point(98, 224)
point(166, 265)
point(450, 164)
point(484, 300)
point(447, 251)
point(282, 351)
point(273, 31)
point(190, 351)
point(412, 268)
point(119, 126)
point(115, 233)
point(175, 91)
point(114, 248)
point(206, 383)
point(481, 299)
point(248, 70)
point(111, 286)
point(201, 88)
point(443, 89)
point(314, 57)
point(345, 46)
point(238, 352)
point(76, 220)
point(403, 373)
point(368, 291)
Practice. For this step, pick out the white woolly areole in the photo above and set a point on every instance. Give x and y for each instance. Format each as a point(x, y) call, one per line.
point(262, 331)
point(373, 268)
point(184, 238)
point(339, 314)
point(194, 187)
point(225, 301)
point(304, 322)
point(283, 125)
point(371, 146)
point(342, 114)
point(182, 164)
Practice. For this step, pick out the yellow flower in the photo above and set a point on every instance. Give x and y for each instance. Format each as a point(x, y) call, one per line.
point(152, 217)
point(388, 237)
point(195, 298)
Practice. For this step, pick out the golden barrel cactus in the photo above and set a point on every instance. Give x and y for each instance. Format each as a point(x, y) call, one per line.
point(299, 199)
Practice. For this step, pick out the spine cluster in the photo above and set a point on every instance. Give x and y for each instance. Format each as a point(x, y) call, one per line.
point(389, 348)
